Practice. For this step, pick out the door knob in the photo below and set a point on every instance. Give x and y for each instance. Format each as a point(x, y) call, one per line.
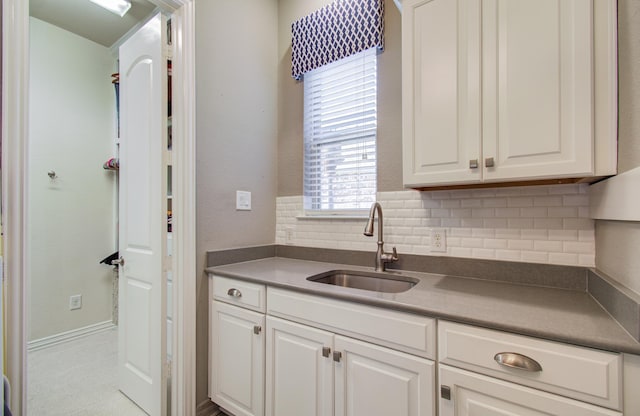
point(119, 262)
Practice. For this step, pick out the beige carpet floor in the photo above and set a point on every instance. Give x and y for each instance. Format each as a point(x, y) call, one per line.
point(77, 378)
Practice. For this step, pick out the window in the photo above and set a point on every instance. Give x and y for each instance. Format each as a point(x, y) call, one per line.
point(340, 121)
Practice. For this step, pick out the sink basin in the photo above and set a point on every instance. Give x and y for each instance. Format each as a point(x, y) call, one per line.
point(376, 282)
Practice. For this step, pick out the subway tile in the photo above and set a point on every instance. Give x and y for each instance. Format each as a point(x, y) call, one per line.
point(450, 222)
point(451, 203)
point(548, 246)
point(537, 212)
point(535, 256)
point(520, 244)
point(507, 212)
point(483, 212)
point(562, 212)
point(547, 201)
point(440, 195)
point(471, 203)
point(460, 232)
point(578, 224)
point(483, 232)
point(564, 189)
point(440, 213)
point(548, 223)
point(509, 255)
point(520, 202)
point(520, 223)
point(495, 243)
point(460, 252)
point(534, 234)
point(586, 235)
point(494, 203)
point(495, 223)
point(461, 213)
point(579, 247)
point(569, 259)
point(563, 235)
point(579, 200)
point(587, 260)
point(508, 234)
point(472, 242)
point(472, 222)
point(483, 193)
point(432, 203)
point(483, 253)
point(413, 204)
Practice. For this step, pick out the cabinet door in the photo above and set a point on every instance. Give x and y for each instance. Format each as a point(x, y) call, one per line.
point(376, 381)
point(299, 370)
point(537, 88)
point(237, 359)
point(473, 394)
point(441, 92)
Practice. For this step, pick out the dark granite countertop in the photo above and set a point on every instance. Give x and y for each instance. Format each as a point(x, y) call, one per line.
point(556, 314)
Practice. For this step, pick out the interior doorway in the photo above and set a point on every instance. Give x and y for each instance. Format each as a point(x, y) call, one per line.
point(15, 171)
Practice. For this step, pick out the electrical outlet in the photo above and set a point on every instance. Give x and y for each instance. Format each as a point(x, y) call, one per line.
point(438, 240)
point(75, 302)
point(288, 235)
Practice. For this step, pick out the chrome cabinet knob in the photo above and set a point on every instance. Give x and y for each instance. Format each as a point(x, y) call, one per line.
point(234, 292)
point(489, 162)
point(473, 164)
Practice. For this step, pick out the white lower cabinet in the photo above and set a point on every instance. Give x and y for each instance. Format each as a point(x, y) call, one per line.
point(470, 394)
point(299, 370)
point(377, 381)
point(237, 346)
point(313, 372)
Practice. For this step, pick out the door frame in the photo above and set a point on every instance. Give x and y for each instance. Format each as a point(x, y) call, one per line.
point(15, 113)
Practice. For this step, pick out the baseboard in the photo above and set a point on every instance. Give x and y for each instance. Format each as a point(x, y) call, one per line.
point(51, 340)
point(208, 408)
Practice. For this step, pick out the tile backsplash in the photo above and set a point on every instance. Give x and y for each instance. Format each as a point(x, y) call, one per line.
point(536, 224)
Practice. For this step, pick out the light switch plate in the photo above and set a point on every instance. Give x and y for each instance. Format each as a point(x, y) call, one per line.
point(243, 201)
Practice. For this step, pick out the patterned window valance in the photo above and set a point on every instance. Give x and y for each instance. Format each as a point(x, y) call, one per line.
point(336, 31)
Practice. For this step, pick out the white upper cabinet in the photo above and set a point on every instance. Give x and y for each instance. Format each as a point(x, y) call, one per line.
point(508, 90)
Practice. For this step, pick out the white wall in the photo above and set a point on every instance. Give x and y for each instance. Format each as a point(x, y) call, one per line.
point(71, 219)
point(236, 64)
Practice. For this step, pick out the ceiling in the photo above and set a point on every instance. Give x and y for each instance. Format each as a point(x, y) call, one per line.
point(89, 20)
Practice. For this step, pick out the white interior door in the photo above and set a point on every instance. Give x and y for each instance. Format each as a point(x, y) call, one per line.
point(142, 315)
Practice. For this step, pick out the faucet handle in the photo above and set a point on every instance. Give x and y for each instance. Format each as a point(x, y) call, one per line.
point(394, 255)
point(389, 257)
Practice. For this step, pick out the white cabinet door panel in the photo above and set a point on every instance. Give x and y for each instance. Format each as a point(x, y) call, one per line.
point(441, 91)
point(299, 376)
point(537, 88)
point(376, 381)
point(237, 359)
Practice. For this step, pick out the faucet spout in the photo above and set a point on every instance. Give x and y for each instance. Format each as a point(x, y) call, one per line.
point(381, 257)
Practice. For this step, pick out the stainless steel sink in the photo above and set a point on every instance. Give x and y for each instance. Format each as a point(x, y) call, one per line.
point(376, 282)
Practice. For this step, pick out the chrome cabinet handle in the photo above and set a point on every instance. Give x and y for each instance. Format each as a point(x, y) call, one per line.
point(519, 361)
point(257, 329)
point(234, 292)
point(326, 351)
point(473, 164)
point(119, 262)
point(489, 162)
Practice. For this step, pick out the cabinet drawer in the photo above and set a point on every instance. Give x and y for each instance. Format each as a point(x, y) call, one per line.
point(585, 374)
point(397, 330)
point(238, 292)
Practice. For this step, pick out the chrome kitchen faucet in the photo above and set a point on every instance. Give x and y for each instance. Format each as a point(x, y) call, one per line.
point(382, 258)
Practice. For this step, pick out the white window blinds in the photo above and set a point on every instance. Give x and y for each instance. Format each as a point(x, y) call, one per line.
point(340, 120)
